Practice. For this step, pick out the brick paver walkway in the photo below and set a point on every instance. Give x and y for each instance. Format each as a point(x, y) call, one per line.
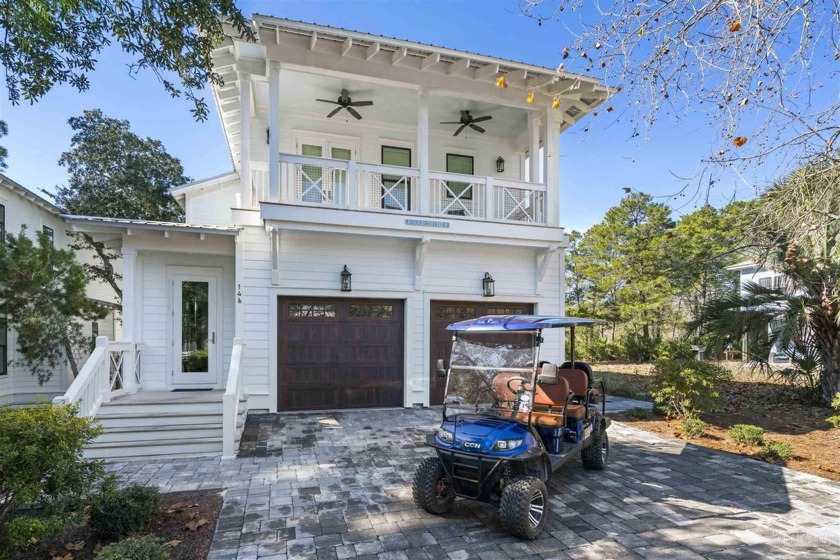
point(334, 486)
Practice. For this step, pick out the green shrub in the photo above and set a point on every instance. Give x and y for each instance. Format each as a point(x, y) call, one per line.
point(776, 451)
point(835, 404)
point(688, 387)
point(137, 548)
point(747, 434)
point(595, 349)
point(42, 468)
point(115, 512)
point(675, 349)
point(834, 421)
point(638, 348)
point(692, 427)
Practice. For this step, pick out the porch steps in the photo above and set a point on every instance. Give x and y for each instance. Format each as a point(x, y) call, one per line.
point(161, 425)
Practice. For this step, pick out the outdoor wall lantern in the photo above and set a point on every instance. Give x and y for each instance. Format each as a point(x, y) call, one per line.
point(268, 136)
point(489, 285)
point(346, 277)
point(500, 165)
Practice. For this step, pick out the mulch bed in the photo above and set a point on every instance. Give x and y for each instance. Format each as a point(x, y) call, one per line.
point(178, 509)
point(786, 414)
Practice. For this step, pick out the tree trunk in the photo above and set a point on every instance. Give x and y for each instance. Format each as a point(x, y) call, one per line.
point(68, 350)
point(107, 273)
point(830, 381)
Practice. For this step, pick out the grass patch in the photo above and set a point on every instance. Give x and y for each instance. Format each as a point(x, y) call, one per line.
point(616, 384)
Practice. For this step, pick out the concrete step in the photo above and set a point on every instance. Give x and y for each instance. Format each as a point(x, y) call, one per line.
point(162, 432)
point(142, 419)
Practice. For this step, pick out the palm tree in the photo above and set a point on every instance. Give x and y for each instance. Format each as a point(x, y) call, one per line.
point(801, 318)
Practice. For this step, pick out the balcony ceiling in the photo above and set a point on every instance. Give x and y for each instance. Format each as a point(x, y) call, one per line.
point(394, 106)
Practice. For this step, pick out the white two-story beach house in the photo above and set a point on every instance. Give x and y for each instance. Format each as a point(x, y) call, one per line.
point(381, 189)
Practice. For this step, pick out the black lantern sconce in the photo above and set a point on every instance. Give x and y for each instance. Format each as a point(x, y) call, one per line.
point(500, 165)
point(346, 278)
point(268, 136)
point(489, 285)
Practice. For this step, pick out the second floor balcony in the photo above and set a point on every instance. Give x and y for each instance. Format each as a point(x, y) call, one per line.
point(316, 181)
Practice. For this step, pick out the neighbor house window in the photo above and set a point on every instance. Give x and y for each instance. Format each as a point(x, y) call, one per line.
point(396, 189)
point(48, 231)
point(4, 356)
point(464, 165)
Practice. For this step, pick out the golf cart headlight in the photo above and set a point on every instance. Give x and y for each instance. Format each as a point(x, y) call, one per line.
point(507, 444)
point(446, 436)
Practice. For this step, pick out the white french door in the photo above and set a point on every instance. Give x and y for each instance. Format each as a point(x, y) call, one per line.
point(323, 184)
point(196, 341)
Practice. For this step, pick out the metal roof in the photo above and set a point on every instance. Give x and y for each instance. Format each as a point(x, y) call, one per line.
point(149, 224)
point(446, 51)
point(499, 323)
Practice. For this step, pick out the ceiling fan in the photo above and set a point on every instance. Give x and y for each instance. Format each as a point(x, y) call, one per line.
point(467, 120)
point(344, 102)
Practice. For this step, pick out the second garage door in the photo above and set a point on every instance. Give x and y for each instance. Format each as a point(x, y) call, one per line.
point(339, 353)
point(444, 313)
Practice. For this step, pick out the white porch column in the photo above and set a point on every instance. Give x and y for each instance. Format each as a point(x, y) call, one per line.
point(551, 143)
point(239, 303)
point(245, 139)
point(423, 150)
point(274, 131)
point(534, 147)
point(129, 317)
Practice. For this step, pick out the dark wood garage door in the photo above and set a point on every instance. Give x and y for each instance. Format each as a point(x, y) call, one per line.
point(339, 353)
point(444, 313)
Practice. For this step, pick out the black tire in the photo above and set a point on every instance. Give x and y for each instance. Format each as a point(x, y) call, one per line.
point(595, 456)
point(432, 490)
point(524, 507)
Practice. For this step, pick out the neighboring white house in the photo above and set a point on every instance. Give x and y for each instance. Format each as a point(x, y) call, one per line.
point(364, 211)
point(19, 207)
point(750, 271)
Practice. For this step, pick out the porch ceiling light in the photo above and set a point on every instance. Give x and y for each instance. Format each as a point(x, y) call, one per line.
point(530, 97)
point(489, 285)
point(346, 279)
point(500, 165)
point(501, 82)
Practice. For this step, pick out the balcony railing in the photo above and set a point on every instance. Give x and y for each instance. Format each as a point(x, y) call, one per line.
point(349, 184)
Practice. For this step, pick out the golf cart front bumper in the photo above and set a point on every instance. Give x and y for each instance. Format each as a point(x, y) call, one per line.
point(474, 475)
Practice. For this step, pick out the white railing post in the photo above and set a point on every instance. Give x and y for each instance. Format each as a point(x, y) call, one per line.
point(103, 380)
point(352, 198)
point(489, 196)
point(129, 373)
point(230, 401)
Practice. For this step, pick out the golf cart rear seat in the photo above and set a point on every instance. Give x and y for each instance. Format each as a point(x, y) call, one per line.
point(549, 400)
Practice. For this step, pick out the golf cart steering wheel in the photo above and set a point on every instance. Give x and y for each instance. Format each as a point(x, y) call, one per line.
point(522, 383)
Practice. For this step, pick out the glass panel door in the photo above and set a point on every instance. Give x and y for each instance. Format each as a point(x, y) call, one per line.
point(195, 340)
point(396, 189)
point(311, 183)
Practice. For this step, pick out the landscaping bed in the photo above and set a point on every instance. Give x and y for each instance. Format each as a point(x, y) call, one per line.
point(785, 414)
point(185, 522)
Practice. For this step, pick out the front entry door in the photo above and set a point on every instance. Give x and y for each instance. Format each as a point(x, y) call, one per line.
point(196, 330)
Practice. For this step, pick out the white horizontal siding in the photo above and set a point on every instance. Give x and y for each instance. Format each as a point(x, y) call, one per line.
point(20, 386)
point(212, 207)
point(382, 267)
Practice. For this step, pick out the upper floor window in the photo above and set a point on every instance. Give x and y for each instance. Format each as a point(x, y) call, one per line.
point(771, 282)
point(4, 357)
point(48, 231)
point(465, 165)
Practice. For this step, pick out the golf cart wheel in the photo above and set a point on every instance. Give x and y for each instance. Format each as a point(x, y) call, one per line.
point(432, 489)
point(524, 507)
point(596, 455)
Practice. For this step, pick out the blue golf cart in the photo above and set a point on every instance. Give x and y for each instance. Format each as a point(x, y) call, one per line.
point(510, 420)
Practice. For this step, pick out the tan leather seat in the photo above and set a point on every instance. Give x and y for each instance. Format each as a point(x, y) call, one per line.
point(577, 379)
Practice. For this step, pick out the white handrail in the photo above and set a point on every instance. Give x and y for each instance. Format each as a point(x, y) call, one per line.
point(92, 387)
point(230, 401)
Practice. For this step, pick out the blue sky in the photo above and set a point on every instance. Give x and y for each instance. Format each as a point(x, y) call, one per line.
point(595, 165)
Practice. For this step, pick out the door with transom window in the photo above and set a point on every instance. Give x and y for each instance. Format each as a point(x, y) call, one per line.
point(326, 182)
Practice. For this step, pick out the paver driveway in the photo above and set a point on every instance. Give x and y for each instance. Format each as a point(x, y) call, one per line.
point(338, 485)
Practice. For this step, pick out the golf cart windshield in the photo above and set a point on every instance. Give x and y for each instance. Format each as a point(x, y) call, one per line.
point(486, 370)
